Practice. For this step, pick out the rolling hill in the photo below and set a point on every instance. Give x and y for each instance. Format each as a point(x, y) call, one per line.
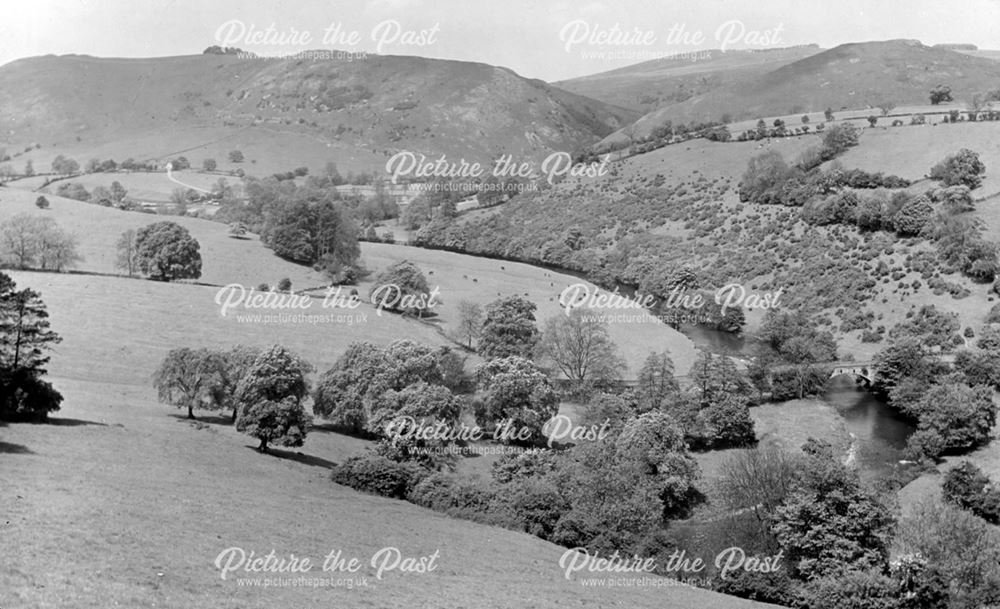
point(654, 84)
point(849, 76)
point(290, 112)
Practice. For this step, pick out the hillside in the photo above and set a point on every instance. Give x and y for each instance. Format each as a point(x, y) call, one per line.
point(657, 83)
point(204, 486)
point(849, 76)
point(289, 112)
point(679, 206)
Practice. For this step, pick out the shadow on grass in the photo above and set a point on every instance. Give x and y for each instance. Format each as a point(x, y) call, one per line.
point(15, 449)
point(343, 430)
point(297, 457)
point(73, 422)
point(225, 420)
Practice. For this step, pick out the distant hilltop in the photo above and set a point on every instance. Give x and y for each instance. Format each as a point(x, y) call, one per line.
point(959, 46)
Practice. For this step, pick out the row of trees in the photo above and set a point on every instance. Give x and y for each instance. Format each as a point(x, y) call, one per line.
point(263, 388)
point(37, 242)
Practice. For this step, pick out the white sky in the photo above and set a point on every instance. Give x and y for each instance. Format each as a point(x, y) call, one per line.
point(523, 35)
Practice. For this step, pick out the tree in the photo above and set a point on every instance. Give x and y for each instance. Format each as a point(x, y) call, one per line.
point(118, 193)
point(56, 248)
point(963, 167)
point(656, 380)
point(284, 285)
point(581, 347)
point(28, 241)
point(236, 364)
point(101, 196)
point(911, 219)
point(209, 165)
point(354, 388)
point(716, 377)
point(401, 287)
point(166, 251)
point(470, 321)
point(29, 168)
point(24, 396)
point(270, 399)
point(839, 138)
point(188, 378)
point(872, 120)
point(509, 329)
point(25, 333)
point(127, 258)
point(19, 241)
point(653, 445)
point(41, 202)
point(966, 486)
point(238, 230)
point(764, 178)
point(940, 93)
point(284, 422)
point(515, 390)
point(951, 416)
point(235, 156)
point(760, 480)
point(64, 166)
point(886, 107)
point(905, 358)
point(961, 546)
point(828, 114)
point(831, 522)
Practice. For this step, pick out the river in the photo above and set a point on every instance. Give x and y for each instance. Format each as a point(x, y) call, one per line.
point(879, 432)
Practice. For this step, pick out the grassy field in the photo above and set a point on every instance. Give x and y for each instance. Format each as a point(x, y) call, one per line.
point(481, 280)
point(119, 504)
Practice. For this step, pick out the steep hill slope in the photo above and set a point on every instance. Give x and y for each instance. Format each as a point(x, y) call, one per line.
point(849, 76)
point(653, 84)
point(381, 104)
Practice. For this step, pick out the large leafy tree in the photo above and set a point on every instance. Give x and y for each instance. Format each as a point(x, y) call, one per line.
point(832, 523)
point(269, 398)
point(509, 329)
point(190, 378)
point(516, 390)
point(355, 388)
point(284, 422)
point(581, 348)
point(166, 251)
point(952, 416)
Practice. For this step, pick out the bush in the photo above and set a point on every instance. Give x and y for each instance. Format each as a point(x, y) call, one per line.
point(24, 396)
point(379, 475)
point(970, 489)
point(961, 168)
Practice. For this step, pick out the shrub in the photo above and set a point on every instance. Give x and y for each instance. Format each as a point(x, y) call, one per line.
point(378, 475)
point(970, 489)
point(963, 167)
